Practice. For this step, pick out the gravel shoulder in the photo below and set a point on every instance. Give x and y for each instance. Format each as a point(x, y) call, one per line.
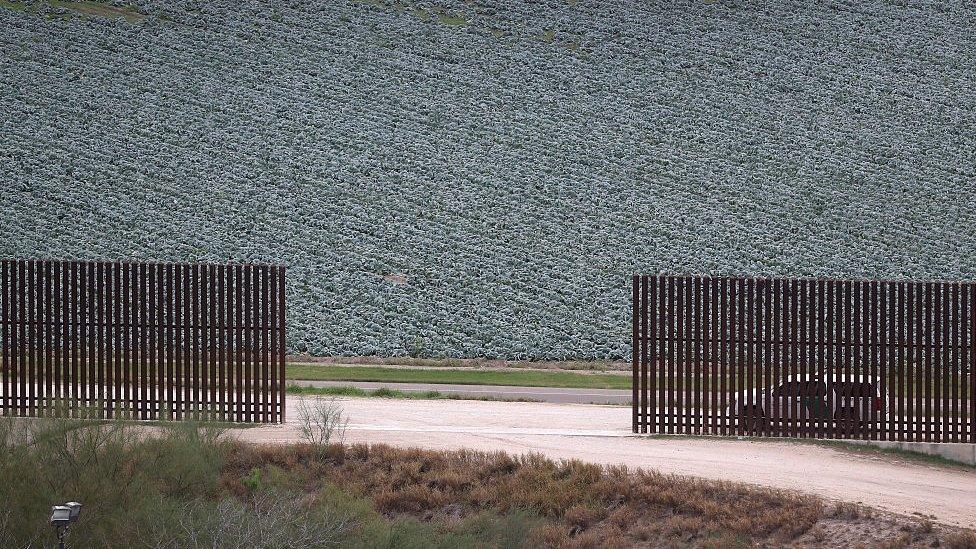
point(598, 434)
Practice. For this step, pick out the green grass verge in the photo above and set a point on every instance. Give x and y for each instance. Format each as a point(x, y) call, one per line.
point(383, 392)
point(451, 20)
point(460, 377)
point(83, 8)
point(457, 372)
point(99, 9)
point(11, 5)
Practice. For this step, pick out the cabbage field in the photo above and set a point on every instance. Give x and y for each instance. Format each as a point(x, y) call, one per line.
point(481, 178)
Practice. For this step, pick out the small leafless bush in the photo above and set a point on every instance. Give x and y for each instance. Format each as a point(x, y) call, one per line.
point(846, 510)
point(321, 421)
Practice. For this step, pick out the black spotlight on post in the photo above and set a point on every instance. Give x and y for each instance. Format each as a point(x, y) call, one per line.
point(62, 516)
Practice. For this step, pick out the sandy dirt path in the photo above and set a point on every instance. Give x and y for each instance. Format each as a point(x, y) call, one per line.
point(600, 434)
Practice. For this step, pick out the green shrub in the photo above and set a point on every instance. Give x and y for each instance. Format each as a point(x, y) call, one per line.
point(167, 485)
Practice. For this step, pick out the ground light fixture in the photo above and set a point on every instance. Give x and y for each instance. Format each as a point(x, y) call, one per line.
point(62, 516)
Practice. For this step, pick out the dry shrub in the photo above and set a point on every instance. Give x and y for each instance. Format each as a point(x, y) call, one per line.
point(644, 532)
point(482, 496)
point(614, 538)
point(414, 499)
point(845, 510)
point(900, 542)
point(960, 540)
point(591, 539)
point(793, 523)
point(680, 526)
point(723, 541)
point(579, 502)
point(423, 495)
point(269, 519)
point(623, 517)
point(403, 473)
point(549, 535)
point(726, 506)
point(450, 480)
point(543, 486)
point(583, 516)
point(245, 457)
point(583, 474)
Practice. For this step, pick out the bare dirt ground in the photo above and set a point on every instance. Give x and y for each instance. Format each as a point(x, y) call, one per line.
point(600, 434)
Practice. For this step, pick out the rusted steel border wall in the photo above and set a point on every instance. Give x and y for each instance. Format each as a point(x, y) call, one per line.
point(142, 340)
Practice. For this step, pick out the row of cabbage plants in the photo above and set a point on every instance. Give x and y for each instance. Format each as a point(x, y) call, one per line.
point(481, 178)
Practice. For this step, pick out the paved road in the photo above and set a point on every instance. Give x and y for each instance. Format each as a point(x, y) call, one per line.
point(600, 434)
point(542, 394)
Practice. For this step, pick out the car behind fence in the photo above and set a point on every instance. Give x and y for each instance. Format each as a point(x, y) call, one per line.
point(864, 359)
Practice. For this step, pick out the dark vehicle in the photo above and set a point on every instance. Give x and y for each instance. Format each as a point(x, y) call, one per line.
point(844, 402)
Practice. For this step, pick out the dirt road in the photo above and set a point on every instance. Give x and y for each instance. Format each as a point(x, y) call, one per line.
point(600, 434)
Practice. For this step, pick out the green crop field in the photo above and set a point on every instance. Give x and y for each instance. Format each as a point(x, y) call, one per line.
point(481, 178)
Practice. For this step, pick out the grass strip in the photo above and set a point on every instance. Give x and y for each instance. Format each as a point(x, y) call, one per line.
point(459, 377)
point(512, 377)
point(383, 392)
